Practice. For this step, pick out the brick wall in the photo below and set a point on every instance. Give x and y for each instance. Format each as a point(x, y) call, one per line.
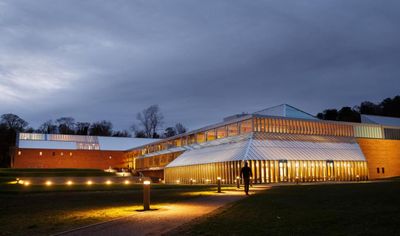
point(31, 158)
point(381, 153)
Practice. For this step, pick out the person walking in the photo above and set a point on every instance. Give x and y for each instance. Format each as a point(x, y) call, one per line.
point(245, 174)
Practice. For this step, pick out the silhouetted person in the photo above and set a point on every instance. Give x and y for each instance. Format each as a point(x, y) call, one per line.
point(245, 174)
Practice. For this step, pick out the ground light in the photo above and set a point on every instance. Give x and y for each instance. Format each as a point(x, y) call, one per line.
point(146, 195)
point(49, 183)
point(27, 183)
point(108, 182)
point(69, 183)
point(126, 182)
point(219, 184)
point(238, 182)
point(89, 182)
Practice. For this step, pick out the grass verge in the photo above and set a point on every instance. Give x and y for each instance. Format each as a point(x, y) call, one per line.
point(340, 209)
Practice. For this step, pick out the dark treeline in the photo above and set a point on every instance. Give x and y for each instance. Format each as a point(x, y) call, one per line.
point(387, 107)
point(148, 125)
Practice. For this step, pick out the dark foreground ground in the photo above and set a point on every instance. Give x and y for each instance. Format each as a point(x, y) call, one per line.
point(45, 210)
point(340, 209)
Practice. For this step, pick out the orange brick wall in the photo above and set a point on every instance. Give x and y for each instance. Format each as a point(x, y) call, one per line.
point(381, 153)
point(30, 158)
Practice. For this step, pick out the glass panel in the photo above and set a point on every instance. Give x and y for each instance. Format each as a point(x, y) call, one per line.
point(246, 126)
point(200, 137)
point(210, 135)
point(221, 132)
point(233, 130)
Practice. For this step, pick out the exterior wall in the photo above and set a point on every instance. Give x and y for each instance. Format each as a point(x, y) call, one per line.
point(96, 159)
point(381, 153)
point(270, 171)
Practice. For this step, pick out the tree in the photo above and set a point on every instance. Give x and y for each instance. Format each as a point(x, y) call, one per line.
point(150, 120)
point(180, 129)
point(101, 128)
point(348, 114)
point(123, 133)
point(48, 127)
point(82, 128)
point(169, 132)
point(369, 108)
point(13, 122)
point(391, 106)
point(140, 134)
point(66, 125)
point(328, 114)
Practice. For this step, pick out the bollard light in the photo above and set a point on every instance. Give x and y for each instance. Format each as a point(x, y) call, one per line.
point(126, 182)
point(178, 181)
point(26, 183)
point(191, 181)
point(238, 182)
point(89, 182)
point(48, 183)
point(219, 184)
point(108, 182)
point(146, 195)
point(69, 183)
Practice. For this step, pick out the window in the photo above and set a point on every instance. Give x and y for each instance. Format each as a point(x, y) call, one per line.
point(210, 135)
point(246, 126)
point(54, 153)
point(40, 153)
point(19, 153)
point(221, 132)
point(383, 170)
point(377, 170)
point(233, 130)
point(200, 137)
point(70, 154)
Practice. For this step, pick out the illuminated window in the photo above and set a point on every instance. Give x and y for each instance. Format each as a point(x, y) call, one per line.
point(110, 157)
point(246, 126)
point(210, 134)
point(221, 132)
point(40, 153)
point(62, 154)
point(200, 137)
point(19, 153)
point(70, 154)
point(233, 130)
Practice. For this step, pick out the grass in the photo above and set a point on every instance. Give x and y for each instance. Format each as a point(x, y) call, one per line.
point(41, 210)
point(340, 209)
point(14, 173)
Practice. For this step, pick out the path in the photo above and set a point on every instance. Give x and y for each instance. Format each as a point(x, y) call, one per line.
point(164, 219)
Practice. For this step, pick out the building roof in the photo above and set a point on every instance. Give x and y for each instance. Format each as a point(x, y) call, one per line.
point(381, 120)
point(78, 142)
point(285, 110)
point(275, 147)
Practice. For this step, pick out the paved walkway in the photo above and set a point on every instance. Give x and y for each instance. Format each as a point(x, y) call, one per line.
point(164, 219)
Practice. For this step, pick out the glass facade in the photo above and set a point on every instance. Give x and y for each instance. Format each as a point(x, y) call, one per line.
point(274, 171)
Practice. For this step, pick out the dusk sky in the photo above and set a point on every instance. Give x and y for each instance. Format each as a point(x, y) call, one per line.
point(199, 60)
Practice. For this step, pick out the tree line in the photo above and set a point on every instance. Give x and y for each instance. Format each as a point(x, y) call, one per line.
point(387, 107)
point(149, 123)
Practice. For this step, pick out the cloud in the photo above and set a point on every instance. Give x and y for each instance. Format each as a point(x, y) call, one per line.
point(199, 61)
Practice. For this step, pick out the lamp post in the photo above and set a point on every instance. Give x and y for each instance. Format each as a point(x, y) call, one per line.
point(238, 182)
point(219, 184)
point(146, 195)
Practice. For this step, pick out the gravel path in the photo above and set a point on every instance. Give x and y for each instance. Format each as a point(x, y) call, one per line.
point(162, 220)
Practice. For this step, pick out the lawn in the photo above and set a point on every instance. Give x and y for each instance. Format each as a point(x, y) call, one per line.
point(44, 210)
point(340, 209)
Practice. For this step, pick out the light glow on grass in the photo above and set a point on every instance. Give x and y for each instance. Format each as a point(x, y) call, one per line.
point(27, 183)
point(89, 182)
point(108, 182)
point(127, 182)
point(49, 183)
point(69, 183)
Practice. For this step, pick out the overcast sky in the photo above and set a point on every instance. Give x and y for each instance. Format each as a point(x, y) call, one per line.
point(199, 60)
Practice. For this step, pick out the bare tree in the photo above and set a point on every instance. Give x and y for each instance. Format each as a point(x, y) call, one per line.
point(82, 128)
point(48, 127)
point(13, 122)
point(66, 125)
point(180, 129)
point(101, 128)
point(150, 120)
